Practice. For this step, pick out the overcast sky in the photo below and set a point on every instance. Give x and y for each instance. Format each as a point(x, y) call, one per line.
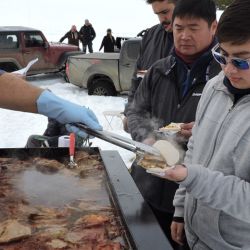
point(55, 17)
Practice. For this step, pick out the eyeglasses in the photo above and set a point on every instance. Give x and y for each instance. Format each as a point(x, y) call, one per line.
point(238, 63)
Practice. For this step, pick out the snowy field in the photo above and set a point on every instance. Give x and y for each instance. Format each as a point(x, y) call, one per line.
point(16, 127)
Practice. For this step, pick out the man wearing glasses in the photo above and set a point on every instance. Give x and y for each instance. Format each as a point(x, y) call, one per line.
point(215, 175)
point(170, 92)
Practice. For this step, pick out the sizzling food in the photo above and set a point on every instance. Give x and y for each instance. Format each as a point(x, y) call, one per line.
point(83, 221)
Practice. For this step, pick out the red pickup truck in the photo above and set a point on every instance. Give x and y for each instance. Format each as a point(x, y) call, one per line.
point(19, 45)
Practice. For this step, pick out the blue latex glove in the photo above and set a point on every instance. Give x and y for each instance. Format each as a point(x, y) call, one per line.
point(65, 112)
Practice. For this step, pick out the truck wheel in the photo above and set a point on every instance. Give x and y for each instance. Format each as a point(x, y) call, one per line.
point(102, 87)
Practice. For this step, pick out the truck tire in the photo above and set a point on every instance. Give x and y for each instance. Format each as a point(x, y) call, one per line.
point(102, 87)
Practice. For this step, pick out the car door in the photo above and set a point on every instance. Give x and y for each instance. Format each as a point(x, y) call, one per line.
point(129, 53)
point(35, 46)
point(10, 51)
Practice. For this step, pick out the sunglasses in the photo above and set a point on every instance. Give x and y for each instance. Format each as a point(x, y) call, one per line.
point(238, 63)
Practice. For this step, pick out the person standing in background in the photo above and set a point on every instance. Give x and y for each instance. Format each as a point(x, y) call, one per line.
point(108, 42)
point(87, 34)
point(72, 35)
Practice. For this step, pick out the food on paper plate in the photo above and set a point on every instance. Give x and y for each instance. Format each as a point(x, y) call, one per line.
point(151, 161)
point(176, 127)
point(170, 155)
point(168, 151)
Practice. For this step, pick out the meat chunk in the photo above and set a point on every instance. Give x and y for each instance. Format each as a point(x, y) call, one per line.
point(12, 230)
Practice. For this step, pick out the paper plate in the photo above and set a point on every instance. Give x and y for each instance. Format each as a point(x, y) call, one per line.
point(168, 151)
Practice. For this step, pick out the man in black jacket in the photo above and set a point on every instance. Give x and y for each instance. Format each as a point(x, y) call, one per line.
point(157, 43)
point(170, 92)
point(87, 34)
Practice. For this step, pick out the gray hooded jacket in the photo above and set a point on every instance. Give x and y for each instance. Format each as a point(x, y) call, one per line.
point(215, 194)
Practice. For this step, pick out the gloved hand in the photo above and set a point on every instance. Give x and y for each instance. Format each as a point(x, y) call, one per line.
point(65, 112)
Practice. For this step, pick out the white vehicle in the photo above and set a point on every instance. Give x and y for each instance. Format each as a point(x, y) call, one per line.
point(104, 73)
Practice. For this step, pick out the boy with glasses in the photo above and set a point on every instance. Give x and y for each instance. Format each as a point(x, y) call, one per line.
point(215, 175)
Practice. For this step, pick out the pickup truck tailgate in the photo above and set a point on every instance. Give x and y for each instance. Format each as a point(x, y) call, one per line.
point(81, 67)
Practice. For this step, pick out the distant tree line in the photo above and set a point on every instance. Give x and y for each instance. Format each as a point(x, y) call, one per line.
point(222, 4)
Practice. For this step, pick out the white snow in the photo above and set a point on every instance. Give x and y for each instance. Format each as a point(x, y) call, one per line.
point(16, 127)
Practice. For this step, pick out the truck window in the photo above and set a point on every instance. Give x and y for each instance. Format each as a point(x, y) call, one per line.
point(133, 50)
point(8, 41)
point(33, 40)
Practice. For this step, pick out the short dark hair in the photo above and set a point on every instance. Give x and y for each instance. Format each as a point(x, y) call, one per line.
point(205, 9)
point(152, 1)
point(234, 23)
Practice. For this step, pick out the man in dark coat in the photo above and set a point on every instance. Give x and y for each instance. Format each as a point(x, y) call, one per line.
point(72, 35)
point(87, 34)
point(108, 42)
point(157, 42)
point(170, 92)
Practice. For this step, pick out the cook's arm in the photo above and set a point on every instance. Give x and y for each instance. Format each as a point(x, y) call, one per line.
point(16, 94)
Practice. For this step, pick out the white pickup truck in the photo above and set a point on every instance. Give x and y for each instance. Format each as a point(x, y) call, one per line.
point(104, 73)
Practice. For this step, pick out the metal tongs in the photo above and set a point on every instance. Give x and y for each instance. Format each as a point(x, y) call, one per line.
point(121, 141)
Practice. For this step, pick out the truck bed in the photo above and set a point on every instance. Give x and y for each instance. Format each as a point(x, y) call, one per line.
point(105, 73)
point(98, 55)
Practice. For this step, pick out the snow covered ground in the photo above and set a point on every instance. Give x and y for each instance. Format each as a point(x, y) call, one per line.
point(17, 126)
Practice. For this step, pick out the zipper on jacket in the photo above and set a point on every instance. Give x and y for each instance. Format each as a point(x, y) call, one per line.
point(189, 94)
point(196, 241)
point(185, 85)
point(193, 211)
point(170, 69)
point(209, 159)
point(207, 162)
point(235, 104)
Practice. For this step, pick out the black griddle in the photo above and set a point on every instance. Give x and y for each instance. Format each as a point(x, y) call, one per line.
point(143, 230)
